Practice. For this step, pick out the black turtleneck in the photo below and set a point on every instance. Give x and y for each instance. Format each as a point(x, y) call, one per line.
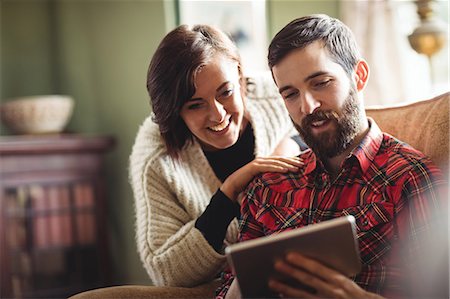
point(214, 221)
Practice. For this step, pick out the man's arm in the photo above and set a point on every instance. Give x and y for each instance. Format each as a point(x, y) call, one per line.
point(423, 226)
point(323, 282)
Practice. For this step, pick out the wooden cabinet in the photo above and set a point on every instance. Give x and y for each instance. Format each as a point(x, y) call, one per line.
point(53, 237)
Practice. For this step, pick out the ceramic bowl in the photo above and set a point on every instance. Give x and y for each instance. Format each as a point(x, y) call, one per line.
point(37, 114)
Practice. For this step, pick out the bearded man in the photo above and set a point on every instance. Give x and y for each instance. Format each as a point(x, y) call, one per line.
point(352, 168)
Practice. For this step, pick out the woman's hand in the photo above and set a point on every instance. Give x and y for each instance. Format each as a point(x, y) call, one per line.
point(239, 179)
point(326, 282)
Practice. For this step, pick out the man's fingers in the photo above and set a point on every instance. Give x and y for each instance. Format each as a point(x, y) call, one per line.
point(287, 291)
point(301, 276)
point(313, 266)
point(326, 281)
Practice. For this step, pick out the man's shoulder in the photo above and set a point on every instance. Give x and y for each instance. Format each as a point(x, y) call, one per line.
point(399, 148)
point(399, 154)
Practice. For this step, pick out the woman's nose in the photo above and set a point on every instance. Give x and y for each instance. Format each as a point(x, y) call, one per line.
point(217, 112)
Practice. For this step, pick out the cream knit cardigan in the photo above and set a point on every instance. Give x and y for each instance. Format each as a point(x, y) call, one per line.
point(170, 196)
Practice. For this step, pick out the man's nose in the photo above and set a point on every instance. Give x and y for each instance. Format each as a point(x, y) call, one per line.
point(217, 112)
point(309, 103)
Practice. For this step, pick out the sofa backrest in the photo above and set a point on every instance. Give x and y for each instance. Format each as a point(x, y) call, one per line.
point(424, 125)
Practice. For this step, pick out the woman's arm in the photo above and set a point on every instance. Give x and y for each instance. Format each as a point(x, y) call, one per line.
point(224, 205)
point(172, 250)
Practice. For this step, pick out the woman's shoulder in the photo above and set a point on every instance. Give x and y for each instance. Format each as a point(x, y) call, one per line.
point(260, 86)
point(263, 97)
point(148, 143)
point(150, 152)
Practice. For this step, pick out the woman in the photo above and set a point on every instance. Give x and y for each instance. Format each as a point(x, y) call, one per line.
point(196, 154)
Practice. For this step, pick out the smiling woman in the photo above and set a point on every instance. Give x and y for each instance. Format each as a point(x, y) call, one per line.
point(209, 135)
point(216, 109)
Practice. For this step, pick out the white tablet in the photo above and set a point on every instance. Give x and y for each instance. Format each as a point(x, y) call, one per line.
point(331, 242)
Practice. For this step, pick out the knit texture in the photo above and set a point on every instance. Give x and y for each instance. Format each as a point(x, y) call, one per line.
point(170, 195)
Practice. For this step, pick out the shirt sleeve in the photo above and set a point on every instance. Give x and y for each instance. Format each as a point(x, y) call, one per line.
point(214, 221)
point(423, 231)
point(249, 228)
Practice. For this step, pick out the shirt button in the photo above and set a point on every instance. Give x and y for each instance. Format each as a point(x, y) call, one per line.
point(365, 222)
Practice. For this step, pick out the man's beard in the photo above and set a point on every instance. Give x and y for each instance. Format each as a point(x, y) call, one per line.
point(331, 143)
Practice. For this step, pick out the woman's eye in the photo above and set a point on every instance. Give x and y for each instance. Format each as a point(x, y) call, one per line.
point(194, 106)
point(226, 93)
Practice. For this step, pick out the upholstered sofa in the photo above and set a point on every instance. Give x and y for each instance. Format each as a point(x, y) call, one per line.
point(424, 125)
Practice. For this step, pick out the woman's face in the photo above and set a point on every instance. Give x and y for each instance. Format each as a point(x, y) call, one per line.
point(215, 113)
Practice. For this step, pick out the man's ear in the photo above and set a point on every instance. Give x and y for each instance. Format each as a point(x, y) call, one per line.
point(242, 82)
point(361, 74)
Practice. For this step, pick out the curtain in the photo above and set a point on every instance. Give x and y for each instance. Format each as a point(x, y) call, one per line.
point(397, 73)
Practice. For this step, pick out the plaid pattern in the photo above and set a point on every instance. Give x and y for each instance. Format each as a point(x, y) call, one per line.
point(391, 189)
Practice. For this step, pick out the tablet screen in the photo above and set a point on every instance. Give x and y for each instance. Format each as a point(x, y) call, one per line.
point(331, 242)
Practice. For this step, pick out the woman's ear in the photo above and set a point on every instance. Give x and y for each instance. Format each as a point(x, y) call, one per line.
point(361, 74)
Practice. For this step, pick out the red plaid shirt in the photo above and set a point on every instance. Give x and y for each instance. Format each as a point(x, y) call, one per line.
point(392, 190)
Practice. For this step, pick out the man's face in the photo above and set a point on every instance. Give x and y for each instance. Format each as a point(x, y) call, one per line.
point(320, 98)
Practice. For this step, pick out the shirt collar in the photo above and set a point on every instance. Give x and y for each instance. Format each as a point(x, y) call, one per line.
point(310, 160)
point(366, 151)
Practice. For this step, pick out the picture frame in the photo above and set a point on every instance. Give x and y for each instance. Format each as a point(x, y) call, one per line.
point(244, 21)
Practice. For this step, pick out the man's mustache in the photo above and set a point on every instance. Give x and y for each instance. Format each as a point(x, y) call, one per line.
point(319, 115)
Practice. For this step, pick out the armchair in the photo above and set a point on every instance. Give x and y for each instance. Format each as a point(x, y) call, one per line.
point(424, 125)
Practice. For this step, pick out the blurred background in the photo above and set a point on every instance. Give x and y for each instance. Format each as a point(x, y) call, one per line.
point(98, 51)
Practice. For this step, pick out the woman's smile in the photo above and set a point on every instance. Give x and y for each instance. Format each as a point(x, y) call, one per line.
point(221, 126)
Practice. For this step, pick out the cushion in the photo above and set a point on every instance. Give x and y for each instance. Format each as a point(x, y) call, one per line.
point(424, 125)
point(139, 291)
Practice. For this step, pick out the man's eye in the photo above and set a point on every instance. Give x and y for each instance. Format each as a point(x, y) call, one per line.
point(323, 83)
point(290, 95)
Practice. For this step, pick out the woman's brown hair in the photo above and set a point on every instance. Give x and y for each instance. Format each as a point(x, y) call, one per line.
point(171, 75)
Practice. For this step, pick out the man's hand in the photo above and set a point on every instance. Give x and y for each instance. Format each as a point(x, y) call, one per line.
point(233, 291)
point(326, 282)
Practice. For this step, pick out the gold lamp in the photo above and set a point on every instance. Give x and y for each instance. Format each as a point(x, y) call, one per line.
point(430, 36)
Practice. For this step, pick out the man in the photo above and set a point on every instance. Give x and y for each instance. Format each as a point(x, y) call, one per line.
point(394, 191)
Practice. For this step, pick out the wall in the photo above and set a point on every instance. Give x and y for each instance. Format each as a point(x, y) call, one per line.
point(98, 52)
point(281, 12)
point(26, 49)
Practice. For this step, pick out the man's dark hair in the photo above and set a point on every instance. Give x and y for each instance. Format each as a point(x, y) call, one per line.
point(335, 35)
point(171, 76)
